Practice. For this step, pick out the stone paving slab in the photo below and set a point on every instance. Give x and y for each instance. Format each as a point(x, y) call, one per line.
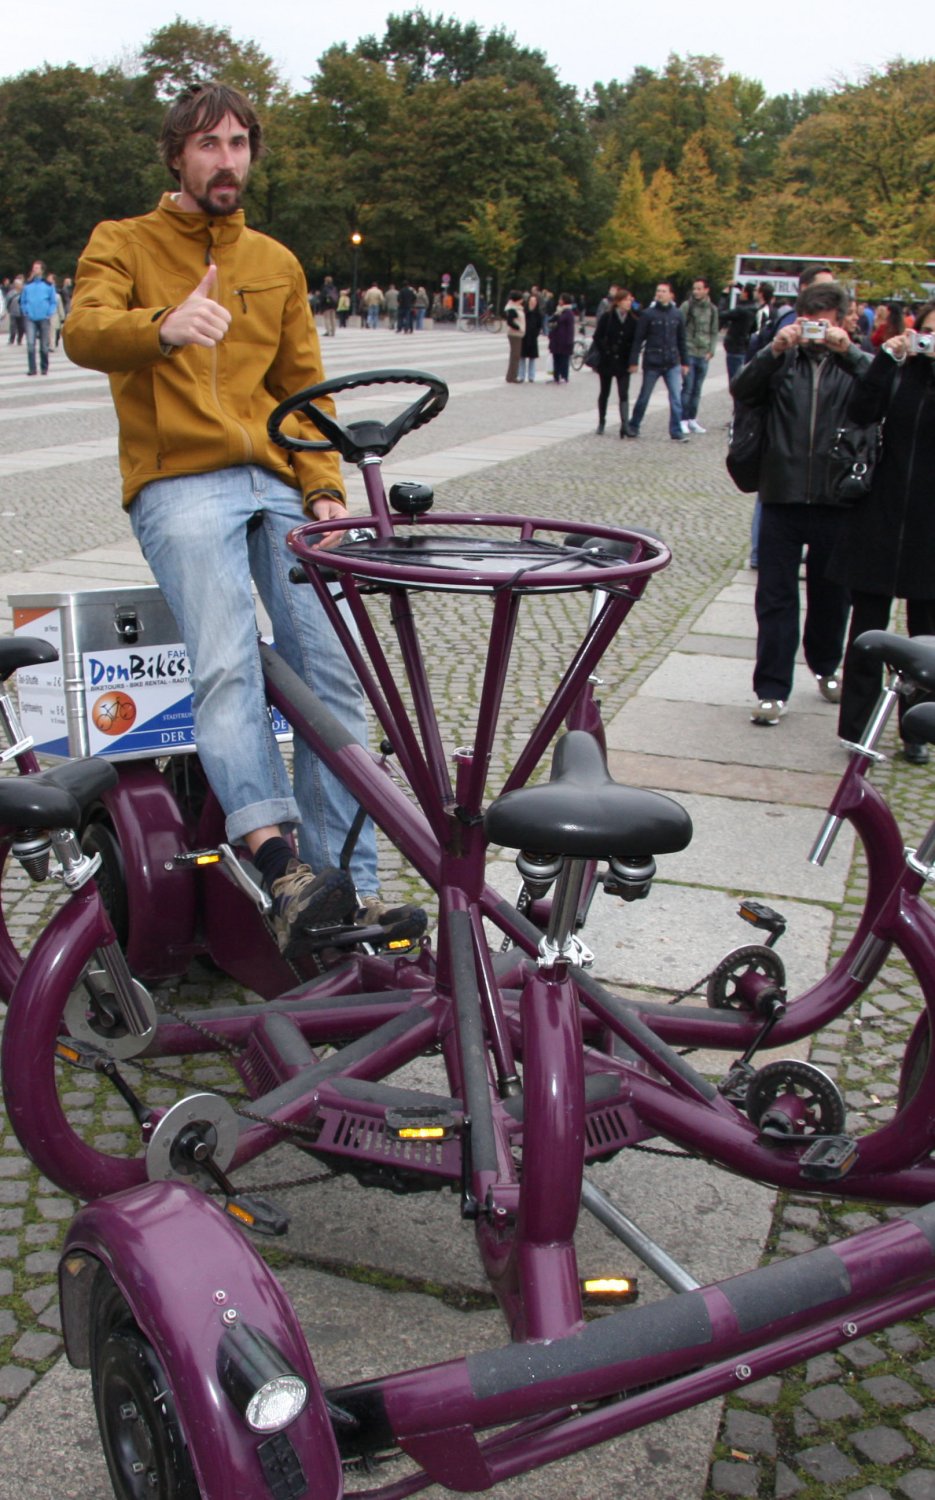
point(667, 773)
point(686, 678)
point(800, 742)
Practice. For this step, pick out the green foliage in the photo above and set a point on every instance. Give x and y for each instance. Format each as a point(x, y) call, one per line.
point(81, 148)
point(442, 143)
point(186, 53)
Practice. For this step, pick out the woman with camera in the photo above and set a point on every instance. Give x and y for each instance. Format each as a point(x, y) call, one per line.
point(886, 550)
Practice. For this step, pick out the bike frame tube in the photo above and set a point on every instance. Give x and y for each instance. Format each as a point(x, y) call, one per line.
point(860, 802)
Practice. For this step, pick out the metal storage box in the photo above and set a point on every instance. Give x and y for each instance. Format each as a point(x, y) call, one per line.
point(120, 687)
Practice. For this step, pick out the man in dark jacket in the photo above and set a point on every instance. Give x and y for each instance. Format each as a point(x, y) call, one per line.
point(805, 379)
point(660, 337)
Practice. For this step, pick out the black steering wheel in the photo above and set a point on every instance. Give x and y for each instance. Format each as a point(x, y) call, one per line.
point(358, 439)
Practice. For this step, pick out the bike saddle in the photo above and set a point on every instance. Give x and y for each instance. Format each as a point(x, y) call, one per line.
point(913, 656)
point(583, 813)
point(23, 651)
point(54, 799)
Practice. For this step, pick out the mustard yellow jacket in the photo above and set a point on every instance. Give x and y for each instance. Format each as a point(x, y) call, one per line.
point(194, 410)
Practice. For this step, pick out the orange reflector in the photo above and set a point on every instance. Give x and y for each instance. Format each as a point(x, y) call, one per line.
point(608, 1291)
point(210, 858)
point(421, 1133)
point(67, 1054)
point(403, 944)
point(236, 1212)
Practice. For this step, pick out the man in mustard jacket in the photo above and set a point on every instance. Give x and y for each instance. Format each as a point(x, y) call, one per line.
point(203, 326)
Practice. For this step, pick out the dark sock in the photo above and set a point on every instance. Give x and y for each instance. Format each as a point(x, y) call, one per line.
point(272, 859)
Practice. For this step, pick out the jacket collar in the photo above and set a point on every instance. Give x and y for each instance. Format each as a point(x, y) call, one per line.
point(225, 230)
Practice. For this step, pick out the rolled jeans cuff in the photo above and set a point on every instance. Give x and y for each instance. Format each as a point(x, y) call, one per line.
point(277, 811)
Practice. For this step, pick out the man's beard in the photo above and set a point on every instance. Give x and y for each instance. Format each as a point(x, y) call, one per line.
point(220, 211)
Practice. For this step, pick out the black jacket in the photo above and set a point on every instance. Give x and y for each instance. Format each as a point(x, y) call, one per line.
point(614, 337)
point(887, 545)
point(738, 322)
point(806, 400)
point(661, 332)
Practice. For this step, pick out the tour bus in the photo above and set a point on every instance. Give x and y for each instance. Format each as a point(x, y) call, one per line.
point(784, 272)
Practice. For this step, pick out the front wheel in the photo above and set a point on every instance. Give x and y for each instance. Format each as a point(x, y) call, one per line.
point(143, 1441)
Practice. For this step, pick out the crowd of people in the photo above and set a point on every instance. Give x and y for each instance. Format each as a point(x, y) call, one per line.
point(833, 376)
point(35, 308)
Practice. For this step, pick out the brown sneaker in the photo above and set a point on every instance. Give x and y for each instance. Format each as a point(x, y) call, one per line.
point(303, 902)
point(400, 923)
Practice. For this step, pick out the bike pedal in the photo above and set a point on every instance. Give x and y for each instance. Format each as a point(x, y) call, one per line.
point(420, 1122)
point(608, 1291)
point(758, 914)
point(78, 1054)
point(258, 1214)
point(830, 1158)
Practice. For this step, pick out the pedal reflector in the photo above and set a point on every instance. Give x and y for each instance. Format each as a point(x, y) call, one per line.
point(258, 1214)
point(422, 1122)
point(606, 1291)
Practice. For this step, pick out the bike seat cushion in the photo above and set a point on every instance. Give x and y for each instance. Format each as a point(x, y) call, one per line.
point(54, 799)
point(583, 813)
point(23, 651)
point(913, 656)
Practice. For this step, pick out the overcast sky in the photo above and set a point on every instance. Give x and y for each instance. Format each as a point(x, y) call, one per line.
point(593, 42)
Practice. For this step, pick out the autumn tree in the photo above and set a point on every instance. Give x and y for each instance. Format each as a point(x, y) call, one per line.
point(641, 241)
point(185, 53)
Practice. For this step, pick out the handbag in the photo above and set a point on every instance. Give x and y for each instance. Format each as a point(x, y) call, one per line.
point(851, 460)
point(593, 357)
point(745, 446)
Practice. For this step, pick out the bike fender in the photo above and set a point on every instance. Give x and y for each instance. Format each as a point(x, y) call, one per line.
point(182, 1265)
point(162, 896)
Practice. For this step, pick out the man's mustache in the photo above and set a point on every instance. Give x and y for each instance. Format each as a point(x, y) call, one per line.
point(224, 179)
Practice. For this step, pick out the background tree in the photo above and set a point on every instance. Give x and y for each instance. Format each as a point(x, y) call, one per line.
point(184, 53)
point(80, 147)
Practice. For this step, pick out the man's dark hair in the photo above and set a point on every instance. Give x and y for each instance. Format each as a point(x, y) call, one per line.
point(704, 281)
point(825, 296)
point(810, 272)
point(766, 290)
point(201, 108)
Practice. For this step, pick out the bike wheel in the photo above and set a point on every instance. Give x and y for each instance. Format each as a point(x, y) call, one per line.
point(493, 324)
point(144, 1445)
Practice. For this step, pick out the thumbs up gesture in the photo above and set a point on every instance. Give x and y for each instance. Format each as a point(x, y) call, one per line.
point(199, 319)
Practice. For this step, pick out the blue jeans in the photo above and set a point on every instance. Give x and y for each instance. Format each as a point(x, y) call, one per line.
point(691, 386)
point(673, 380)
point(373, 315)
point(527, 368)
point(194, 534)
point(735, 363)
point(38, 330)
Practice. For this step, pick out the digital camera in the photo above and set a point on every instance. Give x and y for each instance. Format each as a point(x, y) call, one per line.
point(813, 330)
point(920, 343)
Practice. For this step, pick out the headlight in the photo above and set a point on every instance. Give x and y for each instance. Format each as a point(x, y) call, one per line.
point(259, 1380)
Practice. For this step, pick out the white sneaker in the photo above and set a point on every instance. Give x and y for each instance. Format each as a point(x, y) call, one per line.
point(768, 711)
point(694, 426)
point(686, 427)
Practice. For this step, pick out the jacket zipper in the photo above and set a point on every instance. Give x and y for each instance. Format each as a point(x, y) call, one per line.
point(244, 434)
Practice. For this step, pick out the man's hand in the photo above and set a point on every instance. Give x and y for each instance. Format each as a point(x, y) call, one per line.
point(199, 319)
point(897, 348)
point(684, 370)
point(323, 508)
point(632, 369)
point(786, 338)
point(837, 339)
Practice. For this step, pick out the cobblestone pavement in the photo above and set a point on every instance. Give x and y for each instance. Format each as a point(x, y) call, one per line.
point(856, 1424)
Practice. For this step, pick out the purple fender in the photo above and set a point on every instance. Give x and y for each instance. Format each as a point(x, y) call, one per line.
point(181, 1264)
point(161, 901)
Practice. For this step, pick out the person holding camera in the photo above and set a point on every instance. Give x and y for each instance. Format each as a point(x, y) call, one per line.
point(804, 379)
point(886, 550)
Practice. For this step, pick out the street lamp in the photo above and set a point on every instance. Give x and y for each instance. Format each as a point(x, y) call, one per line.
point(357, 240)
